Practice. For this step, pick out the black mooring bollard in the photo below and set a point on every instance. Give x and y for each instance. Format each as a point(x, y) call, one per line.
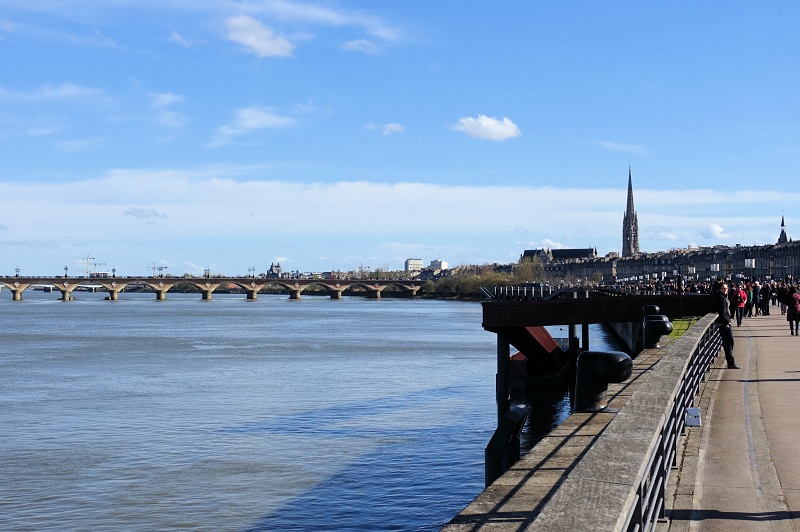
point(653, 328)
point(502, 452)
point(596, 369)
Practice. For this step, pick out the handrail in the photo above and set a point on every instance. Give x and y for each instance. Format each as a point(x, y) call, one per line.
point(620, 483)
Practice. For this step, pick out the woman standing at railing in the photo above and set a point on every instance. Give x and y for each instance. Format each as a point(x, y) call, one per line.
point(722, 306)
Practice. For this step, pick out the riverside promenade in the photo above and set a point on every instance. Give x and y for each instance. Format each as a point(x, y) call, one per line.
point(740, 471)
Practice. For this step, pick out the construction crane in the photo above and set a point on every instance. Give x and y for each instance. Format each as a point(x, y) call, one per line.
point(88, 261)
point(96, 264)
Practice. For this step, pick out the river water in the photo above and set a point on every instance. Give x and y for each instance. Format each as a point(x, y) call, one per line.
point(273, 414)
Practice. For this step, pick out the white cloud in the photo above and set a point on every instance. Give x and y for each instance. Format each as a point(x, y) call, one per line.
point(250, 119)
point(164, 99)
point(79, 145)
point(325, 16)
point(165, 116)
point(215, 215)
point(65, 91)
point(485, 127)
point(42, 131)
point(551, 244)
point(144, 214)
point(625, 148)
point(257, 38)
point(660, 233)
point(385, 129)
point(715, 232)
point(362, 45)
point(179, 39)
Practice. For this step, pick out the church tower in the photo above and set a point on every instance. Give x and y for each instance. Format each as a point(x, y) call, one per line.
point(630, 225)
point(783, 238)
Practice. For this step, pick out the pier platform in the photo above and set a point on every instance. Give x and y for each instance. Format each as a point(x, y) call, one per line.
point(740, 471)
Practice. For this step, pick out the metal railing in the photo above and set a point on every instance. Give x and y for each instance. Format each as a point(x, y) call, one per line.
point(531, 292)
point(648, 507)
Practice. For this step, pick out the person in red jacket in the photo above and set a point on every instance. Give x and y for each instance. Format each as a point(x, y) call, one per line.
point(739, 301)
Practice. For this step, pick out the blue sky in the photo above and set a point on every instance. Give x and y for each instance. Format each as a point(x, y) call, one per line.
point(332, 135)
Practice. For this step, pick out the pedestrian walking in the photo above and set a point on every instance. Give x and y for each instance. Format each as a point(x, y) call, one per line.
point(738, 299)
point(793, 310)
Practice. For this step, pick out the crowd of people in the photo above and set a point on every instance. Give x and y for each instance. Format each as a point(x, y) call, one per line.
point(751, 299)
point(746, 299)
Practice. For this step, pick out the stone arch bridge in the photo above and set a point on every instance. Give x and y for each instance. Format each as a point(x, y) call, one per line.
point(205, 285)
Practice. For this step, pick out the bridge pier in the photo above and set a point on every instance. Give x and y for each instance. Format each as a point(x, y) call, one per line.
point(113, 288)
point(336, 294)
point(294, 293)
point(252, 291)
point(374, 292)
point(207, 294)
point(16, 289)
point(161, 294)
point(66, 294)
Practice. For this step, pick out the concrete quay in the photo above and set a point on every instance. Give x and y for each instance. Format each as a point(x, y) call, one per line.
point(740, 471)
point(602, 471)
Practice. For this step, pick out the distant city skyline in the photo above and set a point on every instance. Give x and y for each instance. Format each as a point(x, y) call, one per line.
point(332, 135)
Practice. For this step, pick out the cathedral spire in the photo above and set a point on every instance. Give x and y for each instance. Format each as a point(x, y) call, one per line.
point(782, 239)
point(630, 224)
point(630, 192)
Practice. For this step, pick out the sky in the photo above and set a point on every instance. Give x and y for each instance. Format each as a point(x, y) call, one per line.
point(333, 135)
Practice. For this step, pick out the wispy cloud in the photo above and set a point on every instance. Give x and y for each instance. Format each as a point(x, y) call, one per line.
point(67, 147)
point(226, 205)
point(385, 129)
point(257, 38)
point(323, 15)
point(143, 213)
point(363, 46)
point(250, 119)
point(162, 103)
point(633, 149)
point(179, 39)
point(490, 128)
point(65, 91)
point(164, 99)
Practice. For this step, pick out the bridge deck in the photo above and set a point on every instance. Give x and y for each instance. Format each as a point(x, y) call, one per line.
point(741, 469)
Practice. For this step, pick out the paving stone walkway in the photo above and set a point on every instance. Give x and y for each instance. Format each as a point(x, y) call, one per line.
point(740, 471)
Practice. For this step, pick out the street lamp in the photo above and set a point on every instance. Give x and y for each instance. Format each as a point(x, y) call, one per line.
point(66, 271)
